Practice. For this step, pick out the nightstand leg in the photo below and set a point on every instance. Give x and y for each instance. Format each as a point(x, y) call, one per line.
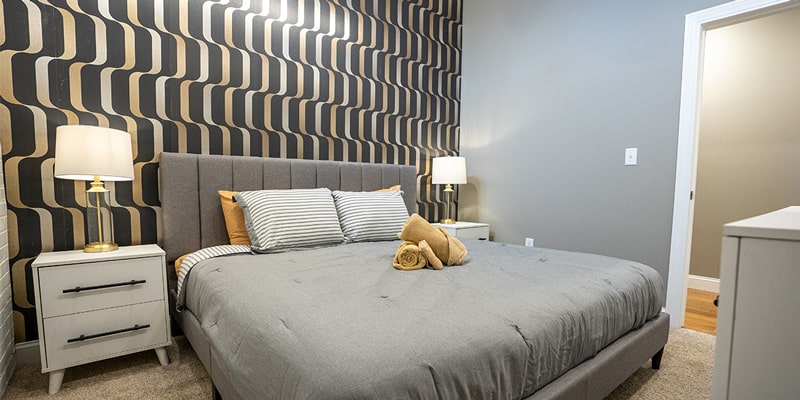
point(163, 358)
point(56, 377)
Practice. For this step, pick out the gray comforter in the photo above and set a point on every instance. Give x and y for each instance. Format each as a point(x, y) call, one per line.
point(341, 323)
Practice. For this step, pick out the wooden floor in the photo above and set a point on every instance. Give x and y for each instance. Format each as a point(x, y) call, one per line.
point(701, 313)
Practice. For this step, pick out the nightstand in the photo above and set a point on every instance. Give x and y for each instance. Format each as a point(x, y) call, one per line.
point(467, 230)
point(93, 306)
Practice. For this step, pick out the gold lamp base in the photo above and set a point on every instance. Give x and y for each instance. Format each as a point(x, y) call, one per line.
point(103, 242)
point(100, 247)
point(448, 195)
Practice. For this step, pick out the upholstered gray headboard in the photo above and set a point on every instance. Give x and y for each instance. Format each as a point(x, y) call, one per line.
point(190, 208)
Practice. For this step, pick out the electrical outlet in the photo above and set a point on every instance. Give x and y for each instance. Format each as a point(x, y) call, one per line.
point(528, 242)
point(631, 156)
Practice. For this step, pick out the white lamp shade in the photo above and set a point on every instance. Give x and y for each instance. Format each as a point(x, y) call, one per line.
point(451, 170)
point(83, 152)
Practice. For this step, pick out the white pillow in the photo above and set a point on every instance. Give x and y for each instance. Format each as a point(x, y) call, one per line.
point(283, 219)
point(370, 216)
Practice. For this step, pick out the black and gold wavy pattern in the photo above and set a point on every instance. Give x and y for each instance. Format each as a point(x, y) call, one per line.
point(355, 80)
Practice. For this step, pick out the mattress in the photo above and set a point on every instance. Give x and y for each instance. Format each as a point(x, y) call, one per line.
point(340, 322)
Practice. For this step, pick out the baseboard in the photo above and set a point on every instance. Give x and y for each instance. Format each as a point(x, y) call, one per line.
point(27, 353)
point(704, 283)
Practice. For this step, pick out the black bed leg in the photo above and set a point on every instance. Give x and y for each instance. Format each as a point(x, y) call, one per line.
point(657, 359)
point(215, 393)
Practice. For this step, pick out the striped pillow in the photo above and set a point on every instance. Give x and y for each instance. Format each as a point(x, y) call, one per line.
point(284, 219)
point(370, 216)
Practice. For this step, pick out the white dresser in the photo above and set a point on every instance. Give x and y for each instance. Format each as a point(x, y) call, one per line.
point(93, 306)
point(467, 230)
point(758, 325)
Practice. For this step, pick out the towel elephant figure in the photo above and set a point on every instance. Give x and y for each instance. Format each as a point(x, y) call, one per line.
point(427, 245)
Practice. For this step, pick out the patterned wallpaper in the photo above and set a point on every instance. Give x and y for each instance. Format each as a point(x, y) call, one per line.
point(355, 80)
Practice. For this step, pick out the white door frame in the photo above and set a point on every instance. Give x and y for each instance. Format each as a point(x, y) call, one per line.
point(697, 24)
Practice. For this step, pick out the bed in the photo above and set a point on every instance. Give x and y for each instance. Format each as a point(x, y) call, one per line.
point(340, 322)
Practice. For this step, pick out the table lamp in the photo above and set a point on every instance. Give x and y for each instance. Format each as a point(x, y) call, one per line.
point(449, 171)
point(96, 154)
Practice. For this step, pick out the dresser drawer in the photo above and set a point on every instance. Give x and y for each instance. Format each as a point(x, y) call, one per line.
point(58, 330)
point(54, 280)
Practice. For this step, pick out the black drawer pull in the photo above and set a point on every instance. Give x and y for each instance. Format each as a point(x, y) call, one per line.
point(97, 335)
point(78, 289)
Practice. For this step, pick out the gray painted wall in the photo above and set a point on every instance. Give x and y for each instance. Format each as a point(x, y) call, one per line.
point(749, 145)
point(553, 92)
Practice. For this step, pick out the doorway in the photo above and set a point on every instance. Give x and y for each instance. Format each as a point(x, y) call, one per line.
point(748, 148)
point(697, 25)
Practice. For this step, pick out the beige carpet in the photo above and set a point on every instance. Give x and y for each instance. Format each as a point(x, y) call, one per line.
point(136, 376)
point(685, 374)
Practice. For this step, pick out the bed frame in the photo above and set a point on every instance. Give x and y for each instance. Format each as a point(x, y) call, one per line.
point(192, 219)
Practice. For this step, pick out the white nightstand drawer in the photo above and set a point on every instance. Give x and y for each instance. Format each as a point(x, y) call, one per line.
point(58, 330)
point(87, 276)
point(467, 230)
point(471, 233)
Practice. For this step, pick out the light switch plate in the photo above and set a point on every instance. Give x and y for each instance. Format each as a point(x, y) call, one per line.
point(630, 155)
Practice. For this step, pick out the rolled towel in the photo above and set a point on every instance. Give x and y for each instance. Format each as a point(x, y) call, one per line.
point(433, 261)
point(409, 257)
point(457, 250)
point(448, 249)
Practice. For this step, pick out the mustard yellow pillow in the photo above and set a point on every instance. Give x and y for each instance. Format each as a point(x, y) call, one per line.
point(234, 218)
point(178, 263)
point(389, 189)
